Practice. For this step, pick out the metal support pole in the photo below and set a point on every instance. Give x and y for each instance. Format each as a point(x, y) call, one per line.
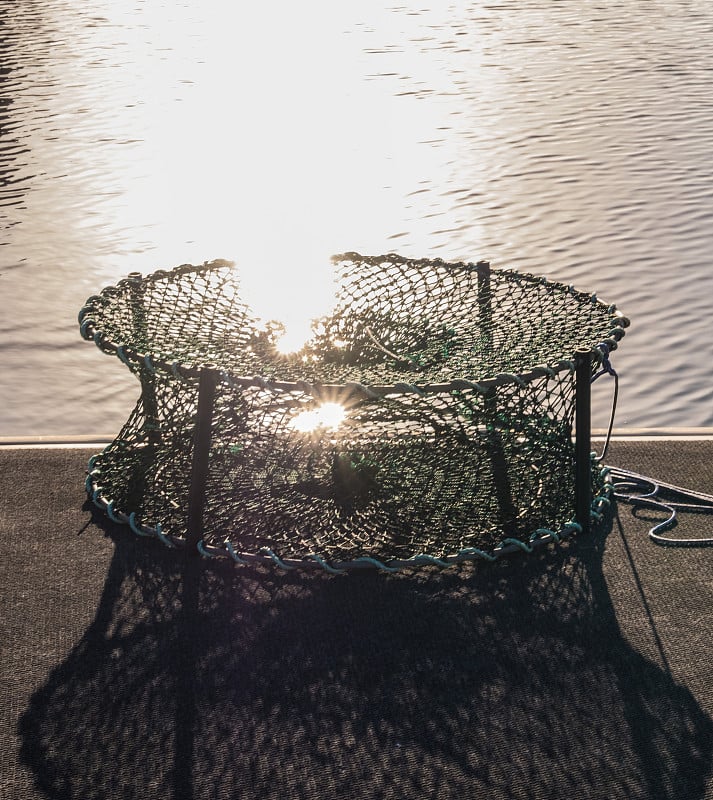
point(141, 342)
point(485, 300)
point(485, 322)
point(583, 438)
point(144, 471)
point(507, 509)
point(201, 451)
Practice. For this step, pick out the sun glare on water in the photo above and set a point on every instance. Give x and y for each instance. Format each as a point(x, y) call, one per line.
point(295, 293)
point(328, 416)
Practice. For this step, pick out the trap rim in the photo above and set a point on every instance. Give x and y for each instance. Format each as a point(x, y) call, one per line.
point(507, 547)
point(156, 361)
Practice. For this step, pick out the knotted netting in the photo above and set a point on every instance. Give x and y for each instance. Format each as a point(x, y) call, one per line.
point(428, 419)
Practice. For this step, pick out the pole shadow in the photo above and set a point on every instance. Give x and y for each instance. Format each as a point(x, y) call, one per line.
point(201, 680)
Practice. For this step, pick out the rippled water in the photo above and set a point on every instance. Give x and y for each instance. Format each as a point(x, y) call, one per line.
point(569, 139)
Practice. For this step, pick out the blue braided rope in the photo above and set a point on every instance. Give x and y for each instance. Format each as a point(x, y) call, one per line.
point(231, 551)
point(162, 536)
point(374, 562)
point(280, 563)
point(203, 551)
point(136, 528)
point(326, 565)
point(544, 533)
point(109, 511)
point(526, 548)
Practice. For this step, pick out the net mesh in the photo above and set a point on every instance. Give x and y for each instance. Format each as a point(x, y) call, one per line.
point(454, 387)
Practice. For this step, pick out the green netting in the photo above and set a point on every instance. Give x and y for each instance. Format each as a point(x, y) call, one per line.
point(457, 389)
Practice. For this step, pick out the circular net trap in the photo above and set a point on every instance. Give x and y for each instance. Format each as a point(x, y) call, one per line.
point(439, 413)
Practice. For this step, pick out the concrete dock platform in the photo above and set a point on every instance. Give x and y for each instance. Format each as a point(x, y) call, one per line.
point(584, 670)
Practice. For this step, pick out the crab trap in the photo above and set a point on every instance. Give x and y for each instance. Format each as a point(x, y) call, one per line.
point(439, 413)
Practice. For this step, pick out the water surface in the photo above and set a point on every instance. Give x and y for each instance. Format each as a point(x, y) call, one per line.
point(567, 139)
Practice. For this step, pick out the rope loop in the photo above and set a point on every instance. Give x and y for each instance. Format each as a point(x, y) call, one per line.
point(135, 527)
point(643, 492)
point(280, 563)
point(97, 498)
point(325, 566)
point(374, 562)
point(110, 512)
point(120, 351)
point(607, 369)
point(84, 329)
point(88, 482)
point(475, 552)
point(231, 552)
point(162, 536)
point(544, 533)
point(88, 306)
point(203, 551)
point(517, 543)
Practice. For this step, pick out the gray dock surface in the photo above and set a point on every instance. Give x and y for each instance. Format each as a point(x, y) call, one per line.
point(128, 671)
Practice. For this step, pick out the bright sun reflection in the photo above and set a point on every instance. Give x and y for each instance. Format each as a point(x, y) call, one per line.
point(296, 334)
point(294, 292)
point(328, 415)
